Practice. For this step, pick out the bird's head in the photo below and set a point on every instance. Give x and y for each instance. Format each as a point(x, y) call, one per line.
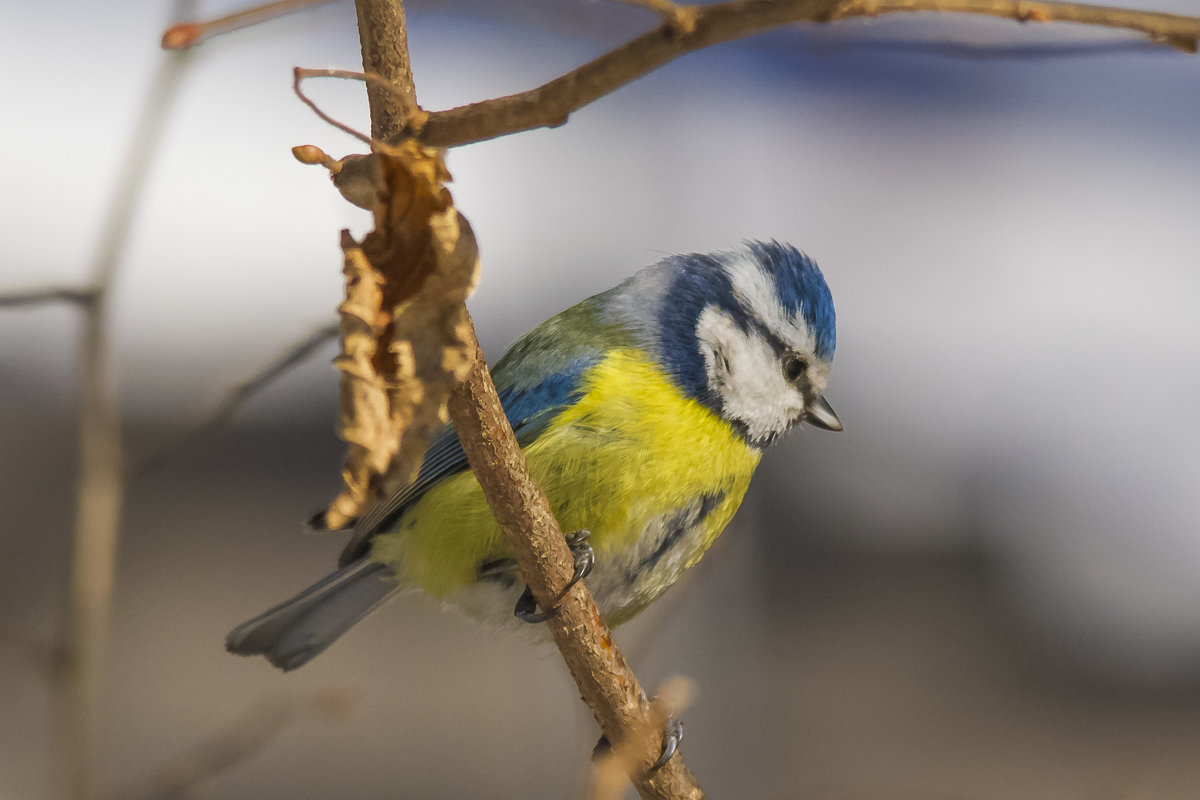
point(750, 333)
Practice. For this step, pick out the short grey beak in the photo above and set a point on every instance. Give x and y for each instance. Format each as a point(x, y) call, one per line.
point(821, 415)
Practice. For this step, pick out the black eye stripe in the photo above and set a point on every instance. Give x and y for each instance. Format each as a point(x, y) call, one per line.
point(777, 344)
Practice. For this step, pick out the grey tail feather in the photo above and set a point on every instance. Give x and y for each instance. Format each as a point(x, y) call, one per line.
point(294, 632)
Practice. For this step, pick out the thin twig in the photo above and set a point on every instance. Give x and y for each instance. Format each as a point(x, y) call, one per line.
point(1180, 32)
point(245, 738)
point(988, 52)
point(51, 294)
point(239, 395)
point(550, 104)
point(101, 484)
point(373, 81)
point(186, 35)
point(298, 76)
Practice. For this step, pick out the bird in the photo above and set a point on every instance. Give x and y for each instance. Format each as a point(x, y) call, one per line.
point(642, 412)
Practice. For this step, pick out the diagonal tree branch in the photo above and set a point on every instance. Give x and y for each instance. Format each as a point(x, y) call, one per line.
point(604, 678)
point(239, 395)
point(550, 104)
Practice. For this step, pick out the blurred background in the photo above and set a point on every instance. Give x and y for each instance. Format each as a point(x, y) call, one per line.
point(985, 588)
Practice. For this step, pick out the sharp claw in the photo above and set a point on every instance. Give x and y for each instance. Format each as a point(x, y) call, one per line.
point(672, 736)
point(585, 560)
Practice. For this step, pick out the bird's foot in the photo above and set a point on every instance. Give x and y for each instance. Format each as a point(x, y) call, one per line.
point(672, 736)
point(585, 559)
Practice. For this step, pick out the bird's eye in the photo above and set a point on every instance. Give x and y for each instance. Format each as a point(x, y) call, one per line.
point(794, 367)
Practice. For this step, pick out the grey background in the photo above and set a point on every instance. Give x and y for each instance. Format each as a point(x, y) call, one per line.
point(985, 588)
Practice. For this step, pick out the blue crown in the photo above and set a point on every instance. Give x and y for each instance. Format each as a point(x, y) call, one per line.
point(801, 288)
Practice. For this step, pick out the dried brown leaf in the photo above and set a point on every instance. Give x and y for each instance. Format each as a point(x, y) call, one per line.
point(406, 336)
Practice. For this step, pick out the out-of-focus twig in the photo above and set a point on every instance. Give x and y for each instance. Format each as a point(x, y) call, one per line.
point(101, 485)
point(239, 395)
point(298, 76)
point(50, 294)
point(189, 34)
point(243, 739)
point(403, 102)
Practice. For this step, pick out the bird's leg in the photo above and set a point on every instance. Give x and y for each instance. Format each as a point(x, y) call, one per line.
point(672, 736)
point(585, 559)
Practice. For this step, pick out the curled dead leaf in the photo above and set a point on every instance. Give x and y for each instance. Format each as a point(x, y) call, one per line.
point(406, 337)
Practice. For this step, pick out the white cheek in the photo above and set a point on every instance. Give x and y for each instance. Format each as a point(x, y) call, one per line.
point(745, 372)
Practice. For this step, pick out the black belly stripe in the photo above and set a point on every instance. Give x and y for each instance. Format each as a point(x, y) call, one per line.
point(679, 523)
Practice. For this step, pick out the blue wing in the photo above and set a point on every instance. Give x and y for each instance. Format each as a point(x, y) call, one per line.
point(530, 407)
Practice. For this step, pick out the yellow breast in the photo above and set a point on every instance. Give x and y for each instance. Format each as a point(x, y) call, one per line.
point(631, 450)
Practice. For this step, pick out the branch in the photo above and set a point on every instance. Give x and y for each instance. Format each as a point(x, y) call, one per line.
point(239, 395)
point(100, 491)
point(604, 678)
point(384, 39)
point(550, 104)
point(186, 35)
point(52, 294)
point(1180, 32)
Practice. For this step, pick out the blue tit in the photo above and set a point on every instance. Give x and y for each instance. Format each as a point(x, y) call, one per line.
point(642, 411)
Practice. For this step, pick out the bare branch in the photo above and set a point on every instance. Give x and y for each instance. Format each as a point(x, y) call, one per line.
point(298, 76)
point(239, 395)
point(389, 93)
point(242, 740)
point(603, 677)
point(101, 482)
point(1180, 32)
point(1044, 51)
point(384, 39)
point(50, 294)
point(550, 104)
point(186, 35)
